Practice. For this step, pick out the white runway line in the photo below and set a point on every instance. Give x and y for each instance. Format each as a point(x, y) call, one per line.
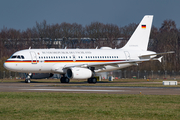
point(75, 90)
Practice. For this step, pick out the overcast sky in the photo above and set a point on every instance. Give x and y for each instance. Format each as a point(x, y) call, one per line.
point(23, 14)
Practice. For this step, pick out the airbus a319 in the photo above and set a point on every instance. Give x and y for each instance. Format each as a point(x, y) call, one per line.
point(84, 63)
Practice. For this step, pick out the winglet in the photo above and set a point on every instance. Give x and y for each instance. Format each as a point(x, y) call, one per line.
point(160, 59)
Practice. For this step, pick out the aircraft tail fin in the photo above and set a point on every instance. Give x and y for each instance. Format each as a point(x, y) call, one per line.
point(140, 38)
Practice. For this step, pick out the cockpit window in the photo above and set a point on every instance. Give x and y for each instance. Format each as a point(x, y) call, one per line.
point(13, 57)
point(17, 56)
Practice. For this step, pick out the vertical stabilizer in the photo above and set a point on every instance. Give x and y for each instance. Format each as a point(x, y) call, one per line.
point(140, 38)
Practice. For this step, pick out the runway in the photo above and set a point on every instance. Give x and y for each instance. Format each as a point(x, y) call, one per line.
point(84, 88)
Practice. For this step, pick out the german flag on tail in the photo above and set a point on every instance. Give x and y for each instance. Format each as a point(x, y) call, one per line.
point(143, 26)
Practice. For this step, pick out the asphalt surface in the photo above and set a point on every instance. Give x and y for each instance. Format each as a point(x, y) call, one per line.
point(84, 88)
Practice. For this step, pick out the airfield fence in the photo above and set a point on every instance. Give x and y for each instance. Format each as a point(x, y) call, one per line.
point(118, 74)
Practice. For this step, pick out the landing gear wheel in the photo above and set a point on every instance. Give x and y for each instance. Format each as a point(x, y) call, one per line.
point(89, 80)
point(64, 80)
point(27, 81)
point(92, 80)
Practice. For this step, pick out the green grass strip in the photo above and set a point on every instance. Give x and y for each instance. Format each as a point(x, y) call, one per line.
point(81, 106)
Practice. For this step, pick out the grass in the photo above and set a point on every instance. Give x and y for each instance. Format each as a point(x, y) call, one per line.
point(81, 106)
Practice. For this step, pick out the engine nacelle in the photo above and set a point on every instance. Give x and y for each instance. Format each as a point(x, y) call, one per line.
point(79, 73)
point(41, 75)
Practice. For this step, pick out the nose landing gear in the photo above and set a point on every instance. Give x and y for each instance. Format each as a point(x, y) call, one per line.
point(28, 80)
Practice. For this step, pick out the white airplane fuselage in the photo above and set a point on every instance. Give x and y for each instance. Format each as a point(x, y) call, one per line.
point(50, 60)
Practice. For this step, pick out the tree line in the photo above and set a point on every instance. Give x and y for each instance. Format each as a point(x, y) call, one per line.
point(43, 35)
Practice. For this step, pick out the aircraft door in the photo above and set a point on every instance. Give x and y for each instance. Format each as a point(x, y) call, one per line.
point(127, 55)
point(33, 57)
point(74, 58)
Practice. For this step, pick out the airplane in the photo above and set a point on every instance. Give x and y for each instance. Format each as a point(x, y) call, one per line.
point(84, 63)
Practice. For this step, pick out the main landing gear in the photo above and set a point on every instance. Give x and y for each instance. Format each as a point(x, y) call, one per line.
point(92, 80)
point(28, 80)
point(64, 79)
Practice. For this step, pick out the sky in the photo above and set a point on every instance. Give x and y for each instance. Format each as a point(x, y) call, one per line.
point(23, 14)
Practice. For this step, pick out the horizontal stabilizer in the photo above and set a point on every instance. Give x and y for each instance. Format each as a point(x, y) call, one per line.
point(170, 52)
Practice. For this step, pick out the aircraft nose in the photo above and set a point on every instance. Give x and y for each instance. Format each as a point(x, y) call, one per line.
point(7, 66)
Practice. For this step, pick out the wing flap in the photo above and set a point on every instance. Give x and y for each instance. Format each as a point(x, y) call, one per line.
point(108, 63)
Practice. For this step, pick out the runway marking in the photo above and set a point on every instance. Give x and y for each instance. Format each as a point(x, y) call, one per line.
point(76, 90)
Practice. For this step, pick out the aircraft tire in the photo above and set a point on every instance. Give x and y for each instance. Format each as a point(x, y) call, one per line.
point(94, 80)
point(64, 80)
point(29, 81)
point(26, 81)
point(89, 80)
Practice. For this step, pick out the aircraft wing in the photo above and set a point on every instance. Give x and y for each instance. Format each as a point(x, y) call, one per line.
point(110, 63)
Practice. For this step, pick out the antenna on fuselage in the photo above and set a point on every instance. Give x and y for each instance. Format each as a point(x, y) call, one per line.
point(97, 47)
point(65, 47)
point(29, 47)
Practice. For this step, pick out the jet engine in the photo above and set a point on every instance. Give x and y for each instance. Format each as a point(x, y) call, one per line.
point(79, 73)
point(41, 75)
